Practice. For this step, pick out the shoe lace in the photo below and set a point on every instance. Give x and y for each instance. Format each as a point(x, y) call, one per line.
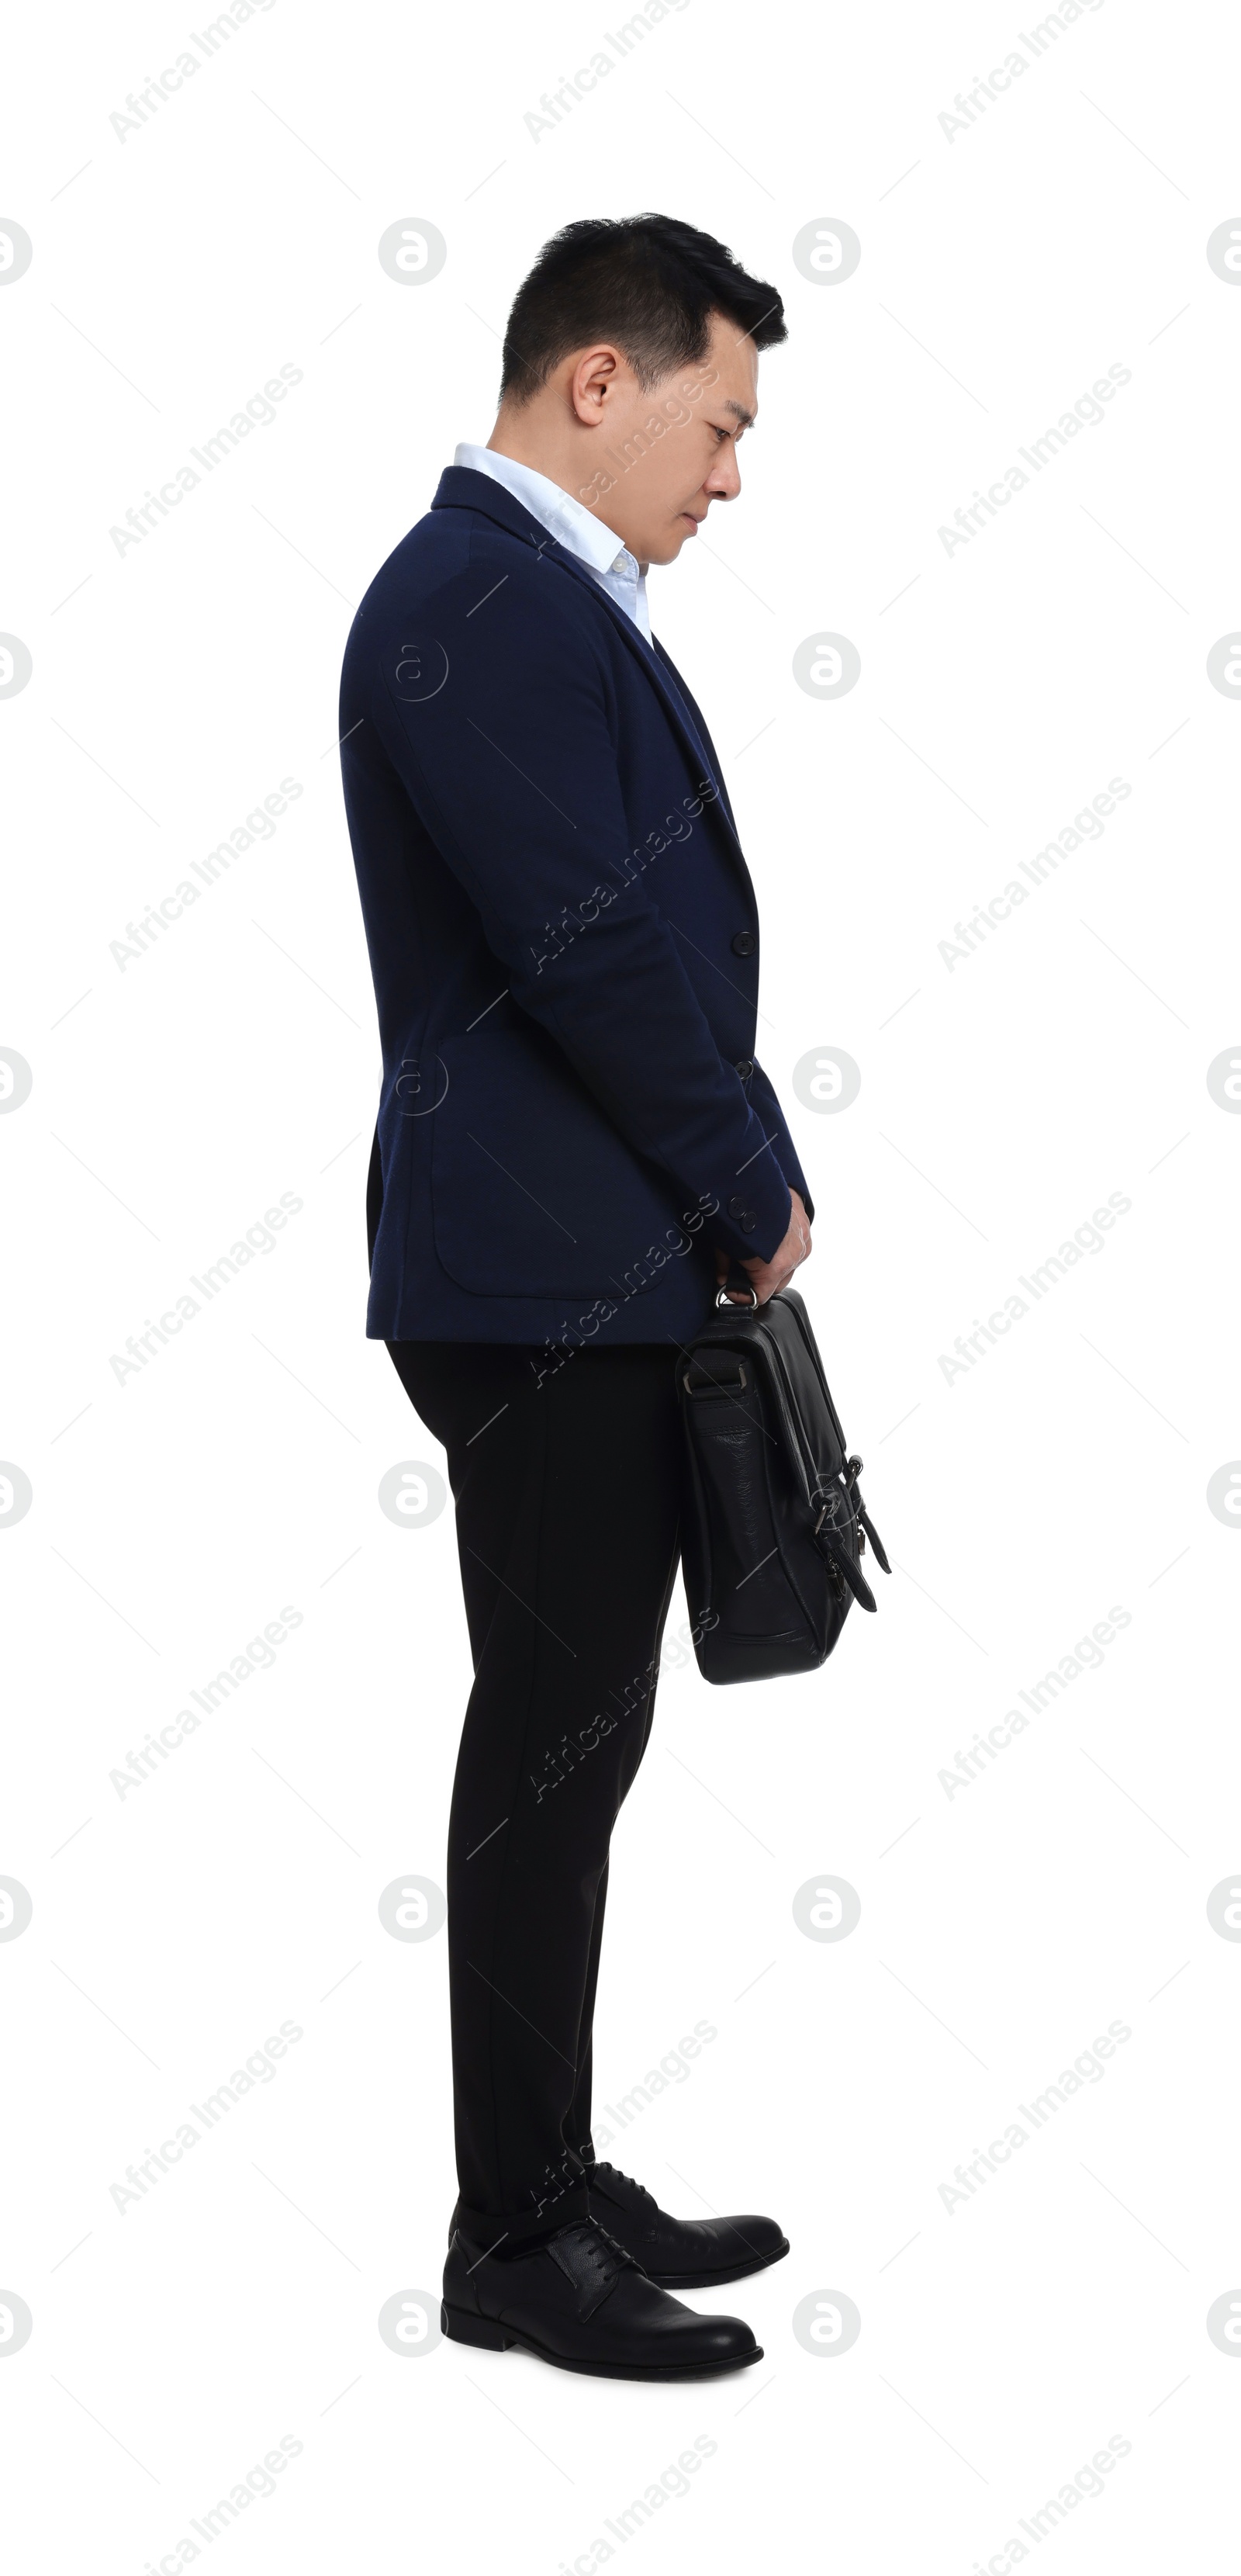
point(639, 2187)
point(609, 2257)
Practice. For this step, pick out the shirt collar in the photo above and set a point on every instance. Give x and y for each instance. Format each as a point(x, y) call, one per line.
point(575, 528)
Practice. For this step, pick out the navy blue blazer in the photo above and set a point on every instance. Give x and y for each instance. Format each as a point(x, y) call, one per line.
point(564, 942)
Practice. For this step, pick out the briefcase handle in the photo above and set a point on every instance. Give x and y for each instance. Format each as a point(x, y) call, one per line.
point(736, 1282)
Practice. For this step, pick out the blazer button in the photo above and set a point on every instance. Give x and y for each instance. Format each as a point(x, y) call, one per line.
point(737, 1207)
point(747, 1223)
point(744, 944)
point(744, 1066)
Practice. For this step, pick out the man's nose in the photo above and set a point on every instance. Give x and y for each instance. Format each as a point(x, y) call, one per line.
point(724, 480)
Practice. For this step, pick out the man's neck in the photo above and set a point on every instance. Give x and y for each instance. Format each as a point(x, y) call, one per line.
point(505, 441)
point(520, 451)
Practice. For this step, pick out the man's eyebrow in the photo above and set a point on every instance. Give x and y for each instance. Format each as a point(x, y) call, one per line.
point(746, 417)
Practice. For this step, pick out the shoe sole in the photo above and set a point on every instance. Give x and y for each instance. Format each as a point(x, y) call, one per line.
point(487, 2335)
point(715, 2280)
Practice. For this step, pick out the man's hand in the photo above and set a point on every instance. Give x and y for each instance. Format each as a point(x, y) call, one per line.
point(767, 1276)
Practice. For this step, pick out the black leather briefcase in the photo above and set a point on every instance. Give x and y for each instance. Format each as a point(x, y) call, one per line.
point(776, 1528)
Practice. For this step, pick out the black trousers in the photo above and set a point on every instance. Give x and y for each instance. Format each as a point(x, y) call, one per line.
point(568, 1498)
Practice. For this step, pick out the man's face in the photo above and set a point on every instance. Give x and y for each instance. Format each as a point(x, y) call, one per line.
point(662, 457)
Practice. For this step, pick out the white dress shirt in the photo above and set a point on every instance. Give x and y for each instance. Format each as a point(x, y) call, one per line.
point(576, 529)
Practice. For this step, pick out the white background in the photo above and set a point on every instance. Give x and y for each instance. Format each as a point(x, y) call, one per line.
point(174, 1514)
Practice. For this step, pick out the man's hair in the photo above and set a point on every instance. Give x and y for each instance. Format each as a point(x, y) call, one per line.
point(645, 281)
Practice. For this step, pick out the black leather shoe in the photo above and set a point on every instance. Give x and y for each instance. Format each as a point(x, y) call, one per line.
point(578, 2300)
point(680, 2253)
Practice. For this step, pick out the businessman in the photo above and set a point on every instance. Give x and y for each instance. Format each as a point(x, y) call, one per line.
point(575, 1144)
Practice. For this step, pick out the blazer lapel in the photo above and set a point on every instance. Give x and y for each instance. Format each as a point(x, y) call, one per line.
point(460, 488)
point(698, 725)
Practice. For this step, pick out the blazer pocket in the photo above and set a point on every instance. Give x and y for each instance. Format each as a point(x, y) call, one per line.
point(534, 1193)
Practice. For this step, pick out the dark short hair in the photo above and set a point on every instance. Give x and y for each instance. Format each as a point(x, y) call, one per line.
point(645, 281)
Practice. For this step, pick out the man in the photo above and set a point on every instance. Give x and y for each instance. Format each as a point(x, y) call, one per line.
point(574, 1143)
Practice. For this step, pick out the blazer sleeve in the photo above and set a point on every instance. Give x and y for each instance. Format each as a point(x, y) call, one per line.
point(510, 762)
point(765, 1105)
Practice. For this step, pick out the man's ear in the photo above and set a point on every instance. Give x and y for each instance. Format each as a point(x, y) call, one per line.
point(595, 375)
